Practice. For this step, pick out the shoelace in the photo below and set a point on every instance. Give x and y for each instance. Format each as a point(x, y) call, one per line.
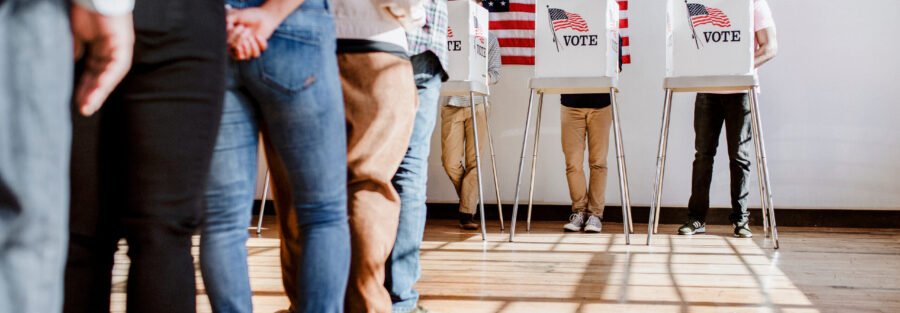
point(697, 224)
point(576, 217)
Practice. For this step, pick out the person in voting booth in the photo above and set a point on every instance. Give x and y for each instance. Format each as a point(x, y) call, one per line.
point(458, 143)
point(732, 109)
point(586, 117)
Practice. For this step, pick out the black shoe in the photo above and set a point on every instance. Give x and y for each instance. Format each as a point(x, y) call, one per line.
point(742, 230)
point(692, 227)
point(467, 221)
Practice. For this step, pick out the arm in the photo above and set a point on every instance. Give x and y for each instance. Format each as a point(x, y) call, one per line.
point(766, 46)
point(103, 34)
point(494, 60)
point(249, 29)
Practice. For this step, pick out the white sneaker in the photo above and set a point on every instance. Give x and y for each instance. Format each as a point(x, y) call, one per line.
point(593, 225)
point(576, 222)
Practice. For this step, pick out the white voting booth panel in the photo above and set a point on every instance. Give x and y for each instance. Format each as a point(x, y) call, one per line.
point(467, 42)
point(709, 38)
point(576, 38)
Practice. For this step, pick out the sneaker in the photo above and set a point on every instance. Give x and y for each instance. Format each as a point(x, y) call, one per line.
point(692, 227)
point(593, 225)
point(742, 230)
point(467, 221)
point(576, 222)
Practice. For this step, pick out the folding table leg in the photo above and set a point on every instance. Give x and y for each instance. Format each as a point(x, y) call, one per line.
point(660, 167)
point(478, 165)
point(761, 149)
point(515, 209)
point(487, 124)
point(534, 158)
point(620, 161)
point(262, 203)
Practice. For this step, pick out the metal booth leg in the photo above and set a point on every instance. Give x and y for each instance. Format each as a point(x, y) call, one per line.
point(262, 204)
point(660, 167)
point(515, 209)
point(761, 156)
point(534, 158)
point(620, 161)
point(487, 124)
point(478, 165)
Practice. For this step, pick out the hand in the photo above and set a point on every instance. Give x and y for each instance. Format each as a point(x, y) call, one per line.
point(249, 31)
point(107, 44)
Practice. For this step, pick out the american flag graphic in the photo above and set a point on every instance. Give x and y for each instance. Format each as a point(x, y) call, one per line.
point(449, 32)
point(479, 32)
point(701, 14)
point(513, 23)
point(562, 20)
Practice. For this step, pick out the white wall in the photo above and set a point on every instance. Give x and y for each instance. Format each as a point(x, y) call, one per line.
point(828, 107)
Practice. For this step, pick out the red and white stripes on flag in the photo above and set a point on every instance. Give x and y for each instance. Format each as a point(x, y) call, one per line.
point(514, 28)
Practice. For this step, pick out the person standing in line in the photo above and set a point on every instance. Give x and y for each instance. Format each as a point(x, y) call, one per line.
point(731, 108)
point(428, 47)
point(380, 103)
point(283, 81)
point(139, 166)
point(458, 143)
point(36, 104)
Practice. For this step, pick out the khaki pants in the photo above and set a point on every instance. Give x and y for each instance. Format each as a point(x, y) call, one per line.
point(458, 152)
point(380, 102)
point(576, 124)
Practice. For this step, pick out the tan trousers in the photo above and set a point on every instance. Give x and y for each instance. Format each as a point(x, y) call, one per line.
point(576, 124)
point(380, 102)
point(458, 152)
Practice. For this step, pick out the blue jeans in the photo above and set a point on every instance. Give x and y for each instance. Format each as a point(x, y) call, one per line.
point(35, 137)
point(403, 268)
point(292, 94)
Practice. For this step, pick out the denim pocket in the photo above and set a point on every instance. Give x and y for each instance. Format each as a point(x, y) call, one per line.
point(293, 59)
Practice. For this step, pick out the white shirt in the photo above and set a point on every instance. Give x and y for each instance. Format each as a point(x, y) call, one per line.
point(107, 7)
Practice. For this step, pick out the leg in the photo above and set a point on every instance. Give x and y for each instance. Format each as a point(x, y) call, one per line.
point(573, 128)
point(761, 148)
point(515, 209)
point(737, 134)
point(403, 268)
point(598, 128)
point(302, 118)
point(660, 166)
point(380, 105)
point(453, 137)
point(534, 156)
point(35, 132)
point(708, 119)
point(231, 190)
point(477, 114)
point(469, 198)
point(487, 126)
point(156, 147)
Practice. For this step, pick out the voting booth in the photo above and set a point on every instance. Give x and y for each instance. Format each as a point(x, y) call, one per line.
point(576, 51)
point(576, 38)
point(467, 50)
point(467, 42)
point(710, 47)
point(709, 37)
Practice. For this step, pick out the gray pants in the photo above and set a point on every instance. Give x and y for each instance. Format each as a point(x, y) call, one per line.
point(35, 138)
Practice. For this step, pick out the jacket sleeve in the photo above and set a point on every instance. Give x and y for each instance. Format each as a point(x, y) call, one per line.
point(409, 13)
point(494, 60)
point(107, 7)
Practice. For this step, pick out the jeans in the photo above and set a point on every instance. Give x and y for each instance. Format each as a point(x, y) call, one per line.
point(710, 112)
point(140, 165)
point(403, 268)
point(292, 95)
point(35, 132)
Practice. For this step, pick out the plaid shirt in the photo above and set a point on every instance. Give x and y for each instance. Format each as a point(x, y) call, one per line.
point(433, 36)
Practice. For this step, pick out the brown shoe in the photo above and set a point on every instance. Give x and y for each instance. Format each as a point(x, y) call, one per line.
point(467, 221)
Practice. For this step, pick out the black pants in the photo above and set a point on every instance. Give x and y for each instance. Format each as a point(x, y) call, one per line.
point(710, 112)
point(139, 167)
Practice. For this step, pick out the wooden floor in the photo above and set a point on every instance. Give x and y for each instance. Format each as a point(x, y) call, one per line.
point(816, 270)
